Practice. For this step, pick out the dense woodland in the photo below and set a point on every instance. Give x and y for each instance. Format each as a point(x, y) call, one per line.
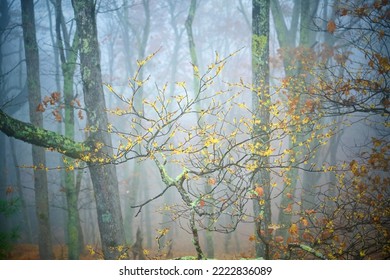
point(228, 129)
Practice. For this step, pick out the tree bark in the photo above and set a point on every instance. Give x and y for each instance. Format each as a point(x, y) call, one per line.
point(38, 153)
point(261, 137)
point(68, 56)
point(104, 178)
point(196, 86)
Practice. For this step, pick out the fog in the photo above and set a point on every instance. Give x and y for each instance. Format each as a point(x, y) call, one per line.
point(189, 154)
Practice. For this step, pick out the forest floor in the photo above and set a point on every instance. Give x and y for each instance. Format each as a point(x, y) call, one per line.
point(31, 252)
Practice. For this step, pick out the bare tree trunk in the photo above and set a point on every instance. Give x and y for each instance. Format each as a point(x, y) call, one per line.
point(38, 153)
point(196, 82)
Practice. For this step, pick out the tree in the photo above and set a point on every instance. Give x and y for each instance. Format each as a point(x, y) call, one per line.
point(38, 153)
point(331, 218)
point(261, 179)
point(231, 143)
point(103, 174)
point(198, 151)
point(196, 85)
point(104, 177)
point(355, 227)
point(295, 44)
point(68, 55)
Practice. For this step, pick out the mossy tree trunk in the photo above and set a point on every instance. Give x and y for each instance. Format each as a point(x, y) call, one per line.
point(260, 102)
point(104, 177)
point(68, 57)
point(36, 118)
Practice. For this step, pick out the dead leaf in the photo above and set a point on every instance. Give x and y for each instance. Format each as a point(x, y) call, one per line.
point(288, 209)
point(259, 190)
point(279, 239)
point(304, 222)
point(310, 211)
point(56, 96)
point(211, 181)
point(40, 108)
point(80, 114)
point(331, 27)
point(46, 100)
point(57, 115)
point(9, 190)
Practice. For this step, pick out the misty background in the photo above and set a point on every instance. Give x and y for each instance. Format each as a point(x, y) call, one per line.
point(131, 30)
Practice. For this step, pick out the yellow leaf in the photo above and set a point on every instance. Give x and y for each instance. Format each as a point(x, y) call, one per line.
point(211, 141)
point(293, 230)
point(242, 106)
point(196, 69)
point(109, 87)
point(181, 84)
point(140, 62)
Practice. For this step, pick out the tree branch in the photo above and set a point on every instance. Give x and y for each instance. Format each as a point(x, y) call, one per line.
point(41, 137)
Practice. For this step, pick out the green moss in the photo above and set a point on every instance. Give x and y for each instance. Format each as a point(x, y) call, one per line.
point(187, 258)
point(85, 45)
point(259, 48)
point(107, 217)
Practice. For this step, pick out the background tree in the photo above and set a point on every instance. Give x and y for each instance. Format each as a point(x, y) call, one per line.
point(196, 85)
point(185, 140)
point(68, 55)
point(38, 153)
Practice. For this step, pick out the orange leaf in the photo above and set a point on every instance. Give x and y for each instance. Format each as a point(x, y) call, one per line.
point(279, 239)
point(46, 100)
point(304, 222)
point(331, 27)
point(343, 12)
point(80, 114)
point(325, 234)
point(57, 116)
point(78, 102)
point(56, 96)
point(9, 190)
point(259, 191)
point(211, 181)
point(310, 211)
point(289, 195)
point(252, 237)
point(201, 203)
point(288, 209)
point(307, 236)
point(40, 108)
